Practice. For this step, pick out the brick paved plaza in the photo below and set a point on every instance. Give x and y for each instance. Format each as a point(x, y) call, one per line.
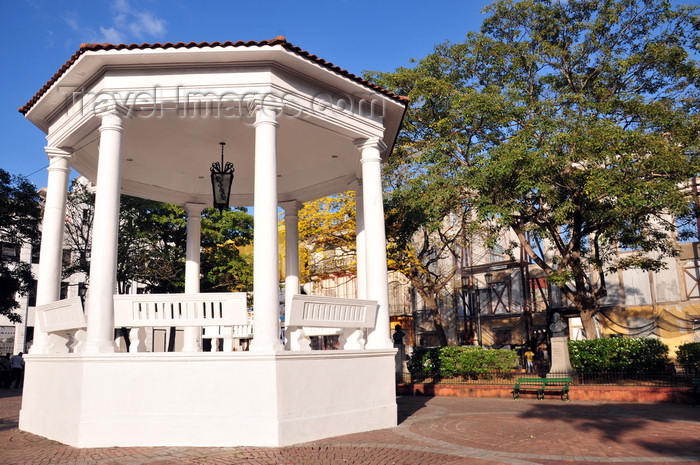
point(431, 431)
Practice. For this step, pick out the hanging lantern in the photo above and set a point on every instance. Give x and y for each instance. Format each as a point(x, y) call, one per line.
point(221, 180)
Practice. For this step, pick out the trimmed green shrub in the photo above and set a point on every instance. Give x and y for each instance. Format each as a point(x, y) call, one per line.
point(620, 354)
point(689, 356)
point(448, 362)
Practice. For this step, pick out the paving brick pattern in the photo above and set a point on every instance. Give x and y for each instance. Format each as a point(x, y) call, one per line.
point(431, 431)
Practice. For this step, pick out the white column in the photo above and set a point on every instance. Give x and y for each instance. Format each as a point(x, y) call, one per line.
point(266, 260)
point(51, 250)
point(375, 239)
point(105, 235)
point(193, 334)
point(291, 241)
point(360, 244)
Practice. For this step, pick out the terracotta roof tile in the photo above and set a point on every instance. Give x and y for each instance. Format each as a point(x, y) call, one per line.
point(279, 40)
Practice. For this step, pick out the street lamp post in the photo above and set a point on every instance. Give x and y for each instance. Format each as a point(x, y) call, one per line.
point(466, 302)
point(488, 277)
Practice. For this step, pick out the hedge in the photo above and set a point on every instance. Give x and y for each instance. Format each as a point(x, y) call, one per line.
point(689, 357)
point(620, 354)
point(448, 362)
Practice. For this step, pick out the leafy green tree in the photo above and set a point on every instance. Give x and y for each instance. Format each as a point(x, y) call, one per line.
point(572, 123)
point(152, 243)
point(20, 212)
point(426, 225)
point(224, 267)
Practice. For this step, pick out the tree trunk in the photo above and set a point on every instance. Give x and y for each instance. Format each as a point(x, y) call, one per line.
point(434, 310)
point(588, 322)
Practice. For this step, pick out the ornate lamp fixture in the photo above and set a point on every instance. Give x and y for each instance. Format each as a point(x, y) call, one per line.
point(221, 180)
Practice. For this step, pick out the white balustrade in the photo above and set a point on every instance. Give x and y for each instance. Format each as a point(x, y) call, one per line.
point(222, 315)
point(64, 316)
point(223, 309)
point(318, 315)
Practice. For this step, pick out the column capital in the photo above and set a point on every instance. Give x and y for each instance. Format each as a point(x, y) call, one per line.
point(58, 152)
point(291, 207)
point(104, 109)
point(112, 116)
point(194, 209)
point(59, 159)
point(369, 143)
point(266, 113)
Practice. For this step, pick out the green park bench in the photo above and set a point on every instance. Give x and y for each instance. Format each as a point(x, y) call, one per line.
point(542, 385)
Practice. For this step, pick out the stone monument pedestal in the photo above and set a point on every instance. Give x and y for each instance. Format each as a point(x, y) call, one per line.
point(561, 365)
point(400, 360)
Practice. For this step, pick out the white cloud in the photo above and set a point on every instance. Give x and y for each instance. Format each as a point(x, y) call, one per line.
point(72, 21)
point(128, 24)
point(111, 35)
point(147, 24)
point(133, 23)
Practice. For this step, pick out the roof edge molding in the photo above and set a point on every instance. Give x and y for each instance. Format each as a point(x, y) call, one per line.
point(277, 41)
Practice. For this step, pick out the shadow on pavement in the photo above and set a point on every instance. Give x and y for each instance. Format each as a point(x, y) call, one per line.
point(615, 421)
point(409, 405)
point(10, 393)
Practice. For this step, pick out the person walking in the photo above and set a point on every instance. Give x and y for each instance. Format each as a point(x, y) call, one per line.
point(17, 364)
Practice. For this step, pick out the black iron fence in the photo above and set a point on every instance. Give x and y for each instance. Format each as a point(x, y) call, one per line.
point(662, 379)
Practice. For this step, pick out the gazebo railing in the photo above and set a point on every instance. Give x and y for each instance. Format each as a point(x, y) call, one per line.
point(308, 314)
point(222, 315)
point(215, 310)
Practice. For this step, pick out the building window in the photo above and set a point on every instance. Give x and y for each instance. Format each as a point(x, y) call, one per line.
point(66, 257)
point(64, 291)
point(31, 298)
point(35, 255)
point(496, 253)
point(10, 251)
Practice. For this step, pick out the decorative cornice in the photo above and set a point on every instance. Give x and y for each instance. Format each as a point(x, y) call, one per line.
point(277, 41)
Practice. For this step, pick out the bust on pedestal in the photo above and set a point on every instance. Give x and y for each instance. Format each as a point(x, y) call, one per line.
point(561, 365)
point(401, 366)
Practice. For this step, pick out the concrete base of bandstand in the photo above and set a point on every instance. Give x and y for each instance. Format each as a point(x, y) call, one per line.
point(207, 399)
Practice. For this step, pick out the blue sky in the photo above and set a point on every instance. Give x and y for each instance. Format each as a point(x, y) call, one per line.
point(38, 36)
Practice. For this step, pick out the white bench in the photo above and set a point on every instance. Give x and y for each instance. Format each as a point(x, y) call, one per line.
point(222, 310)
point(350, 317)
point(64, 316)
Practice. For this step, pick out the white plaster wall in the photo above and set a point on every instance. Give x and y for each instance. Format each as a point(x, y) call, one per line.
point(212, 399)
point(666, 282)
point(636, 285)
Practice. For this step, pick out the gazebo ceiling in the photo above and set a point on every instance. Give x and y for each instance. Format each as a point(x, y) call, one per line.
point(183, 99)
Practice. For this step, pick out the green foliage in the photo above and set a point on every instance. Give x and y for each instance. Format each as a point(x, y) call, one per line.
point(223, 266)
point(448, 362)
point(572, 123)
point(689, 356)
point(19, 223)
point(620, 354)
point(152, 243)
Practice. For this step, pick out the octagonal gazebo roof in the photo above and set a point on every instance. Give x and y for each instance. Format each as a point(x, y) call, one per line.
point(183, 99)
